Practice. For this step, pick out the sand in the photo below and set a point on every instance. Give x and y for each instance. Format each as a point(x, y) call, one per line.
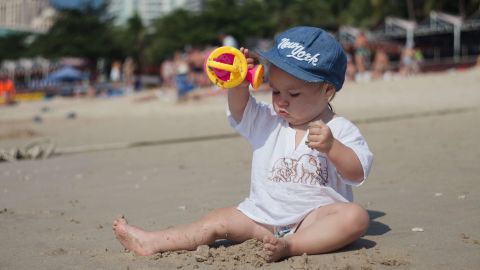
point(160, 163)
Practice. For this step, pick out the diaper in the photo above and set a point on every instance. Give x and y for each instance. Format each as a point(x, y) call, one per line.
point(283, 231)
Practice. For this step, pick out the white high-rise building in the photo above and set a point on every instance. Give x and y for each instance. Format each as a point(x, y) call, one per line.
point(26, 15)
point(148, 10)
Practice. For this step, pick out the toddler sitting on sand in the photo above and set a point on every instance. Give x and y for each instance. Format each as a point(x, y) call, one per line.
point(305, 161)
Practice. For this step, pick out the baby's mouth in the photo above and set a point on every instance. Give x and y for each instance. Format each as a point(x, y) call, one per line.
point(283, 112)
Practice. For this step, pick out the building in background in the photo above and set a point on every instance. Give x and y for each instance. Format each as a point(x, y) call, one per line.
point(149, 10)
point(37, 16)
point(31, 16)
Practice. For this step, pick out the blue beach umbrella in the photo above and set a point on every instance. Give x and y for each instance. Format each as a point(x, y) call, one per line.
point(66, 74)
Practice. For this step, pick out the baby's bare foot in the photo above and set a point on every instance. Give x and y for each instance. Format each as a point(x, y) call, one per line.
point(275, 248)
point(132, 238)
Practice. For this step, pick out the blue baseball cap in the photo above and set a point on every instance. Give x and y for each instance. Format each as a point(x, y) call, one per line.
point(309, 54)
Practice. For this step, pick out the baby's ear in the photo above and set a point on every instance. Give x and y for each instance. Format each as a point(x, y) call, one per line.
point(331, 87)
point(330, 91)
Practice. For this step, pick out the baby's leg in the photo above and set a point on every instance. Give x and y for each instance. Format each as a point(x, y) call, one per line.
point(224, 223)
point(325, 229)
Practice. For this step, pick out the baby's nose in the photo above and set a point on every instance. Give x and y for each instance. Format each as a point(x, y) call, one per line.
point(282, 102)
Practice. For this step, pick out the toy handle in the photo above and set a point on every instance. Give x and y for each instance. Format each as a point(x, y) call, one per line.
point(255, 76)
point(227, 67)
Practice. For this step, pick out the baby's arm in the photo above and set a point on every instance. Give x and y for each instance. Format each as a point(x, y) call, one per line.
point(346, 161)
point(343, 157)
point(238, 96)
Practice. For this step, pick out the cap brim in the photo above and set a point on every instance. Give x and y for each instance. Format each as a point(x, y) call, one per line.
point(272, 57)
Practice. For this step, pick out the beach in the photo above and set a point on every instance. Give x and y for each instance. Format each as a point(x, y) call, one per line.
point(160, 163)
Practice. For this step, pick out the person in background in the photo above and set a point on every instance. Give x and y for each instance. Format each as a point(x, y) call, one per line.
point(183, 83)
point(196, 61)
point(227, 40)
point(116, 72)
point(362, 57)
point(351, 69)
point(408, 64)
point(7, 90)
point(167, 73)
point(128, 74)
point(380, 64)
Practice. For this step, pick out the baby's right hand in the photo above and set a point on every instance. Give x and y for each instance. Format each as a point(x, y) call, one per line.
point(250, 64)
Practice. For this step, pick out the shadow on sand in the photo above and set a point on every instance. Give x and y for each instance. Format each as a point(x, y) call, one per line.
point(375, 228)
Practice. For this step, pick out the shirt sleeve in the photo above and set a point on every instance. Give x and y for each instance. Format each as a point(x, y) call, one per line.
point(258, 120)
point(351, 137)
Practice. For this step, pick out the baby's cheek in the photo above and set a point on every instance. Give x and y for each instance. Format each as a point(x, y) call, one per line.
point(306, 110)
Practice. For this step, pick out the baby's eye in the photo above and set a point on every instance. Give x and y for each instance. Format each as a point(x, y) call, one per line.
point(275, 92)
point(294, 94)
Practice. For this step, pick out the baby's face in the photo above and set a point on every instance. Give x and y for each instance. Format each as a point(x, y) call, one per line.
point(296, 101)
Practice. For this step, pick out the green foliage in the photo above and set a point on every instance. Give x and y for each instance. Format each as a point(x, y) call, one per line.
point(183, 28)
point(89, 33)
point(13, 46)
point(131, 39)
point(172, 32)
point(80, 33)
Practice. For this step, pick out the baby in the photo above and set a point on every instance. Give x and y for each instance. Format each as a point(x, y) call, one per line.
point(305, 161)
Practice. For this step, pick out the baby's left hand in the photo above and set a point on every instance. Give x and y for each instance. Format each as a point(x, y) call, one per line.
point(319, 137)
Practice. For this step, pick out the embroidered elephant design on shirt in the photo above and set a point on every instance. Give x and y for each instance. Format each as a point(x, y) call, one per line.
point(283, 170)
point(308, 169)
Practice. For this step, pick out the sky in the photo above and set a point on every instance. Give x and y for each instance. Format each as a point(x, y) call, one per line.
point(69, 4)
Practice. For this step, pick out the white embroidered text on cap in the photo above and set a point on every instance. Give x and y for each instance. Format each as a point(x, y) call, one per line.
point(298, 51)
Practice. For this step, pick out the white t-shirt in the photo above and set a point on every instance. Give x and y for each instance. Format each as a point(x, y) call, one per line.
point(288, 183)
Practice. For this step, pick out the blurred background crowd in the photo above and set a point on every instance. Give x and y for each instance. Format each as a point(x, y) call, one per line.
point(101, 48)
